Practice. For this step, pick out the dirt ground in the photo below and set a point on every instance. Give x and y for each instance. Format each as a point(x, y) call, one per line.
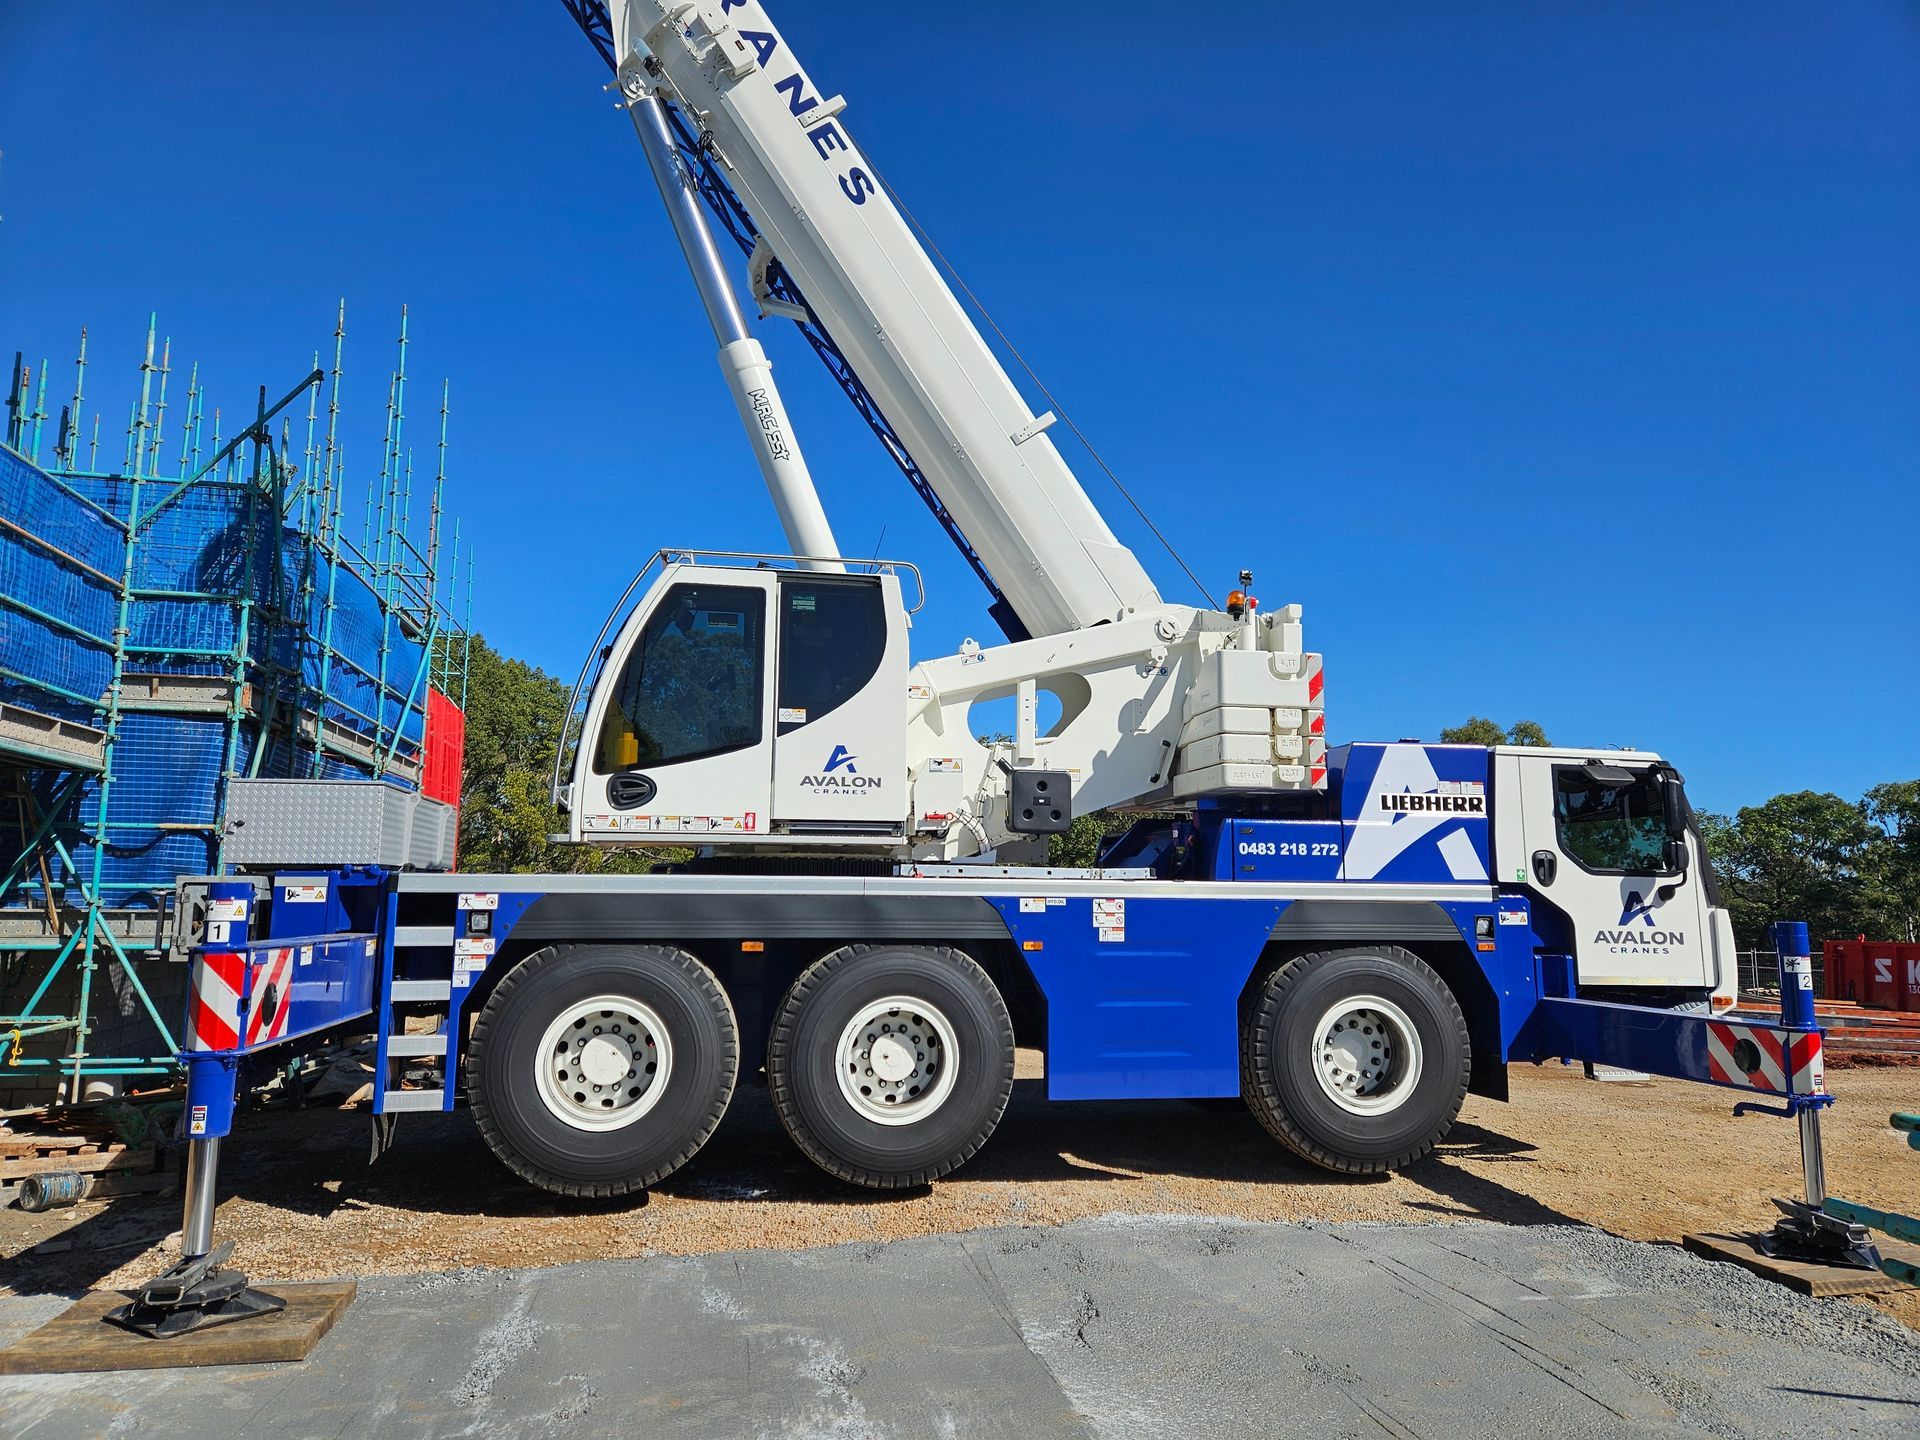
point(1646, 1161)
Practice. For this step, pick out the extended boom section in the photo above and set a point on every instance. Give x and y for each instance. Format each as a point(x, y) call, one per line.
point(824, 214)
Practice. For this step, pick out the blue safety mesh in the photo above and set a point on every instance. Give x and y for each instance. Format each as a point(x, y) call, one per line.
point(59, 563)
point(210, 560)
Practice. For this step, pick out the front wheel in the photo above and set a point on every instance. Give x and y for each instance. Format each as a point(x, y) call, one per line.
point(1356, 1059)
point(891, 1066)
point(600, 1070)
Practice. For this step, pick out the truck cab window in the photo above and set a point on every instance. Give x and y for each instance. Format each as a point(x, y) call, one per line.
point(1614, 829)
point(833, 635)
point(693, 685)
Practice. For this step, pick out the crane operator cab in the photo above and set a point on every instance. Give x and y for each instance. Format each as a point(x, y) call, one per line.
point(737, 703)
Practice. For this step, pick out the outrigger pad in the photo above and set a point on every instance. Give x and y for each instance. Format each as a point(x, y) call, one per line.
point(1807, 1233)
point(193, 1295)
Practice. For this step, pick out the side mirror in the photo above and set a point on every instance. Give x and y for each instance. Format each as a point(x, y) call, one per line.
point(1673, 800)
point(1675, 855)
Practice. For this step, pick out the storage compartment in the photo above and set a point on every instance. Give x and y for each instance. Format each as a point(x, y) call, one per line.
point(285, 823)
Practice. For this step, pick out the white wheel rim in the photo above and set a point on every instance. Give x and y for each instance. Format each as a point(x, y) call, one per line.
point(603, 1063)
point(1366, 1055)
point(897, 1060)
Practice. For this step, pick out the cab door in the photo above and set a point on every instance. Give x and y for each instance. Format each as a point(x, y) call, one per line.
point(840, 748)
point(1606, 847)
point(679, 737)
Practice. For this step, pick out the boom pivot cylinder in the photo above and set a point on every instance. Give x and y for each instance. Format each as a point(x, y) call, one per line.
point(749, 375)
point(678, 193)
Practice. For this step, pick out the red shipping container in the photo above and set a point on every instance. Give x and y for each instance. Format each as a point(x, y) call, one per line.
point(445, 749)
point(1884, 974)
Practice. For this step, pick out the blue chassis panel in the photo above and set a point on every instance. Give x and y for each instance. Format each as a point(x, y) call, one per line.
point(1151, 1013)
point(1154, 1011)
point(1142, 993)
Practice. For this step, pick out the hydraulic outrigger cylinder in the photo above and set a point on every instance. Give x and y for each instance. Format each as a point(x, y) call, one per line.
point(200, 1290)
point(1805, 1230)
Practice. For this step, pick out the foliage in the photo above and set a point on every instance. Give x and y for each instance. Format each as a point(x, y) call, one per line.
point(514, 715)
point(1528, 732)
point(1847, 868)
point(1893, 810)
point(1478, 730)
point(1080, 846)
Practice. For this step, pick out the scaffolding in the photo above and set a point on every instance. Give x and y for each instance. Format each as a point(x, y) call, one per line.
point(167, 625)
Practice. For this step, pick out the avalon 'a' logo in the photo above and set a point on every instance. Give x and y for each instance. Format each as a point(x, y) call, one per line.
point(840, 757)
point(1636, 908)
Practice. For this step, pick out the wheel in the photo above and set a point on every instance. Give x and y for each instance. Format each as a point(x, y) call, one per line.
point(890, 1066)
point(1356, 1059)
point(596, 1071)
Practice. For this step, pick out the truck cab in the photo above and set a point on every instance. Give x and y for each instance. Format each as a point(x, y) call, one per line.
point(1605, 847)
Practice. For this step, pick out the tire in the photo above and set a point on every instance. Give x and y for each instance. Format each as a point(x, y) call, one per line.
point(1369, 1003)
point(567, 1017)
point(926, 1046)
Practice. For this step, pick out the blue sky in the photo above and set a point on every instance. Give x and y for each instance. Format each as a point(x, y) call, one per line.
point(1563, 360)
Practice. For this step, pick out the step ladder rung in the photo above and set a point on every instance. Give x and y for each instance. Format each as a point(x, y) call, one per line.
point(415, 1045)
point(429, 935)
point(394, 1101)
point(422, 990)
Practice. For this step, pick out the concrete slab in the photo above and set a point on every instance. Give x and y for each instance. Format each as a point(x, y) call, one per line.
point(80, 1338)
point(1108, 1328)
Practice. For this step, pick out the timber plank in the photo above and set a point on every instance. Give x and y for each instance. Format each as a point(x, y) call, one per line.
point(80, 1339)
point(1819, 1281)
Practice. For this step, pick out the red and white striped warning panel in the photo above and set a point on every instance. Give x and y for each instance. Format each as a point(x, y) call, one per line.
point(217, 979)
point(272, 991)
point(1765, 1058)
point(1316, 722)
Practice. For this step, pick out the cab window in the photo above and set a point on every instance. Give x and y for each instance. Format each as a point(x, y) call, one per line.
point(694, 683)
point(1617, 829)
point(833, 635)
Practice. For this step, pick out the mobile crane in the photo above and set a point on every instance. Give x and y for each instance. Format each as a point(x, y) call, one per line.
point(1349, 939)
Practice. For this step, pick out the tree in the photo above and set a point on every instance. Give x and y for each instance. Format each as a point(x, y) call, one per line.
point(1478, 730)
point(1804, 856)
point(1528, 732)
point(1893, 810)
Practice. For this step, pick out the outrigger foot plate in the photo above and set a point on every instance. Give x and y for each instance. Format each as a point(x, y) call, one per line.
point(193, 1295)
point(1806, 1232)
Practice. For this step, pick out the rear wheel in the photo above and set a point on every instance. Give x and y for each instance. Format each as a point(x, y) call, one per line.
point(1356, 1059)
point(890, 1066)
point(596, 1071)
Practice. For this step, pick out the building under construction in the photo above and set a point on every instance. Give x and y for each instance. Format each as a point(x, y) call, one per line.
point(195, 613)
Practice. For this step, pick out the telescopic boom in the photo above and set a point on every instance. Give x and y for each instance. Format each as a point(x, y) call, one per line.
point(827, 218)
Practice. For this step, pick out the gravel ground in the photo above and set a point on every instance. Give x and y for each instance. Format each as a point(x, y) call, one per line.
point(1642, 1161)
point(1124, 1328)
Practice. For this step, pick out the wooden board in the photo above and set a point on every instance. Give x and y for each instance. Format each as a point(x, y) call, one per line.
point(1815, 1280)
point(45, 1153)
point(79, 1339)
